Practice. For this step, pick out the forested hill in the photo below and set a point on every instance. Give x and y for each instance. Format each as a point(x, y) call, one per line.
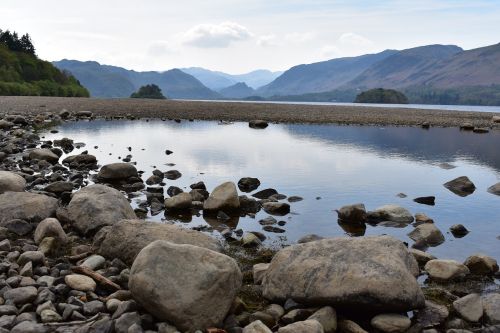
point(23, 74)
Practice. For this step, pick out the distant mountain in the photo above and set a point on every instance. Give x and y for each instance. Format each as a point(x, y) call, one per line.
point(404, 68)
point(239, 90)
point(218, 80)
point(321, 76)
point(112, 81)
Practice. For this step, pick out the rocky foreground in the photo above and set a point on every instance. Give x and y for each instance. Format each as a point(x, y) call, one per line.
point(76, 257)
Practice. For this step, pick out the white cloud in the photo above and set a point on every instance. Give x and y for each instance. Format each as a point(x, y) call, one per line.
point(329, 52)
point(299, 37)
point(161, 48)
point(216, 35)
point(352, 39)
point(267, 40)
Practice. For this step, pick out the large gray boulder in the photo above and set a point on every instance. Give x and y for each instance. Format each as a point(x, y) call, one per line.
point(44, 155)
point(11, 182)
point(375, 273)
point(189, 286)
point(96, 206)
point(116, 172)
point(124, 240)
point(461, 186)
point(26, 206)
point(224, 197)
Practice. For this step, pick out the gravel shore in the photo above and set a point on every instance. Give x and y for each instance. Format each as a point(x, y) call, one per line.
point(237, 111)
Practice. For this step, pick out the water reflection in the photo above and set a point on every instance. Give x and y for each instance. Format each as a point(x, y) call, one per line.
point(340, 164)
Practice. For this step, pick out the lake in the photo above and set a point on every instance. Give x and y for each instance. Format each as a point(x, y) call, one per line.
point(328, 165)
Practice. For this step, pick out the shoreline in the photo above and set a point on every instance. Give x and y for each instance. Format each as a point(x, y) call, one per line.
point(246, 111)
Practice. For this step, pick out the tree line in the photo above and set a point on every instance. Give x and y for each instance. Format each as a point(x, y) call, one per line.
point(16, 44)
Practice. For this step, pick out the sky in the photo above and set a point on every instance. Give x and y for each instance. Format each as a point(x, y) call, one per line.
point(237, 36)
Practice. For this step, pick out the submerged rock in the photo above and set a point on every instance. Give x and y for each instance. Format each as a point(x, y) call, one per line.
point(260, 124)
point(352, 213)
point(11, 182)
point(248, 184)
point(188, 286)
point(125, 239)
point(372, 273)
point(26, 206)
point(265, 194)
point(392, 213)
point(116, 172)
point(96, 206)
point(494, 189)
point(276, 208)
point(461, 186)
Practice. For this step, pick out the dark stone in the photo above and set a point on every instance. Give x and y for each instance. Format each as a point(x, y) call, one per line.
point(248, 184)
point(265, 194)
point(430, 200)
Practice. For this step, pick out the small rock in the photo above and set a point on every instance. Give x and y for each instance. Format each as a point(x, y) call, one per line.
point(248, 184)
point(80, 282)
point(427, 232)
point(49, 316)
point(458, 230)
point(494, 189)
point(481, 264)
point(94, 262)
point(50, 227)
point(391, 323)
point(327, 317)
point(256, 327)
point(446, 270)
point(276, 208)
point(393, 213)
point(21, 295)
point(353, 213)
point(348, 326)
point(431, 200)
point(461, 186)
point(469, 307)
point(258, 124)
point(224, 197)
point(11, 182)
point(309, 326)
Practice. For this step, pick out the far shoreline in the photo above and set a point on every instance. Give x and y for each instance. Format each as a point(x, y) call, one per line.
point(248, 110)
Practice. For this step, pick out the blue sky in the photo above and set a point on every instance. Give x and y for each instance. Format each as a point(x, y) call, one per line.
point(241, 35)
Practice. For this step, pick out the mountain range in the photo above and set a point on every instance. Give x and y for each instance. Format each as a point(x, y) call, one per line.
point(433, 74)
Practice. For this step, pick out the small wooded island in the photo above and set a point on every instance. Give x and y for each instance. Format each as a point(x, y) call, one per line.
point(149, 91)
point(382, 96)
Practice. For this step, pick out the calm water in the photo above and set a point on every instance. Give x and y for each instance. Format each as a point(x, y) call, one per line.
point(340, 164)
point(476, 108)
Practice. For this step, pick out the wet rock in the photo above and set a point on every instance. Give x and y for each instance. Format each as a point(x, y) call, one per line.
point(427, 232)
point(458, 230)
point(256, 327)
point(96, 206)
point(82, 159)
point(11, 182)
point(180, 201)
point(431, 200)
point(495, 119)
point(348, 326)
point(393, 213)
point(295, 198)
point(310, 326)
point(491, 307)
point(59, 187)
point(309, 238)
point(446, 166)
point(249, 205)
point(422, 218)
point(80, 282)
point(224, 197)
point(248, 184)
point(469, 307)
point(494, 189)
point(327, 317)
point(258, 124)
point(481, 130)
point(421, 256)
point(174, 190)
point(250, 240)
point(276, 208)
point(50, 227)
point(467, 127)
point(126, 239)
point(265, 194)
point(184, 297)
point(461, 186)
point(173, 174)
point(431, 315)
point(375, 273)
point(481, 264)
point(116, 172)
point(26, 206)
point(445, 270)
point(391, 323)
point(353, 213)
point(44, 155)
point(83, 114)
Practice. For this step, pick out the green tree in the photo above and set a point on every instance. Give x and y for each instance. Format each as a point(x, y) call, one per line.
point(381, 96)
point(148, 91)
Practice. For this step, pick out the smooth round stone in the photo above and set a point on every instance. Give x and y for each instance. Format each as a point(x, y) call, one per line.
point(391, 323)
point(80, 282)
point(94, 262)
